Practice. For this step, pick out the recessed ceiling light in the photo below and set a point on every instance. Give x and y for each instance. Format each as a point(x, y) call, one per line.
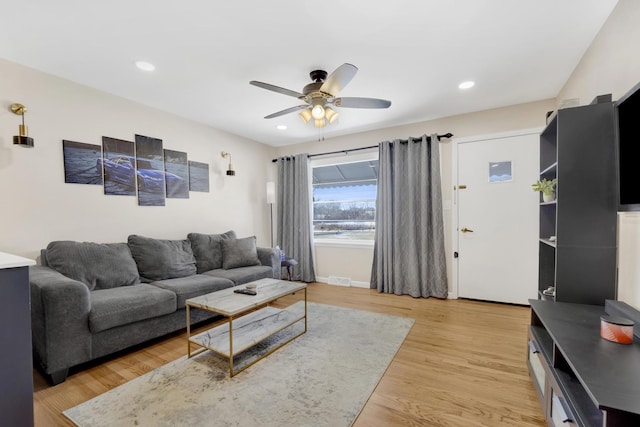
point(466, 85)
point(145, 66)
point(281, 127)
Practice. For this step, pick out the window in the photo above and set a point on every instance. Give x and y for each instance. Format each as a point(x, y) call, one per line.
point(344, 200)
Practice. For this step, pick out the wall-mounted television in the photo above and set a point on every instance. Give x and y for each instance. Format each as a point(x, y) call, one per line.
point(628, 153)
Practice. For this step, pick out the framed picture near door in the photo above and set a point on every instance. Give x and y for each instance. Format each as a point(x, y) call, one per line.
point(500, 171)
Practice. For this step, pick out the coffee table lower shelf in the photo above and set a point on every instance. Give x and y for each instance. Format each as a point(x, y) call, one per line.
point(241, 333)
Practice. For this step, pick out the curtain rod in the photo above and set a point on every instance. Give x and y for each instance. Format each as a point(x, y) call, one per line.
point(348, 150)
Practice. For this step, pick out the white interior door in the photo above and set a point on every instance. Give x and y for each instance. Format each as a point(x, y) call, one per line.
point(497, 227)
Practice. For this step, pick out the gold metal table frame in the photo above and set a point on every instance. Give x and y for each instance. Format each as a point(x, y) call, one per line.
point(250, 320)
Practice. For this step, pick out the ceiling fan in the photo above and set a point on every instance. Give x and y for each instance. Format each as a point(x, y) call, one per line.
point(320, 96)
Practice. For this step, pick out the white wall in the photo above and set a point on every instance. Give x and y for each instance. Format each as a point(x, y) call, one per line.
point(355, 262)
point(38, 207)
point(612, 65)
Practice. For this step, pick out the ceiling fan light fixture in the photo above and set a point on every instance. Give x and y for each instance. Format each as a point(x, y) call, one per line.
point(330, 115)
point(317, 112)
point(320, 96)
point(305, 115)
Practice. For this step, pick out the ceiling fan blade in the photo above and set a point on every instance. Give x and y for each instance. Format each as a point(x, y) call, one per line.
point(287, 111)
point(351, 102)
point(277, 89)
point(339, 79)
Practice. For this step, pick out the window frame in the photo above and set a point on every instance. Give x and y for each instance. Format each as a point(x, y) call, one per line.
point(331, 161)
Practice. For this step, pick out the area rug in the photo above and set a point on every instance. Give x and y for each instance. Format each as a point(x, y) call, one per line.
point(322, 378)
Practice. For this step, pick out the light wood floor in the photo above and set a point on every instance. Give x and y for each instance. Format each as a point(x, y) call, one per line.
point(462, 364)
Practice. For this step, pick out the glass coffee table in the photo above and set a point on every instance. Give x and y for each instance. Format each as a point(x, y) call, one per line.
point(250, 319)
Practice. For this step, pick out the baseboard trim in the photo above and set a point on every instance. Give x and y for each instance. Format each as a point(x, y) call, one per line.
point(366, 285)
point(354, 283)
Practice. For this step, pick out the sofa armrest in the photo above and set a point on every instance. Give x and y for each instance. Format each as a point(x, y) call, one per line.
point(60, 309)
point(271, 257)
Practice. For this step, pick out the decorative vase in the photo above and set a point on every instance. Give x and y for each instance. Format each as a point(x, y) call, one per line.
point(548, 197)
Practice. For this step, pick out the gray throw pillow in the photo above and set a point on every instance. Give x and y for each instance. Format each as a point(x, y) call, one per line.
point(207, 249)
point(97, 265)
point(239, 253)
point(162, 259)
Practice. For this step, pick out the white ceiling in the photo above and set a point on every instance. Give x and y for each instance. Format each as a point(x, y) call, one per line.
point(414, 53)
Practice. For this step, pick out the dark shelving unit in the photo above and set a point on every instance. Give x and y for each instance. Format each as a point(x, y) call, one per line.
point(581, 379)
point(578, 148)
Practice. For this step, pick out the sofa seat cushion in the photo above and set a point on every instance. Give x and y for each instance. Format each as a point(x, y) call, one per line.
point(159, 259)
point(243, 275)
point(97, 265)
point(207, 249)
point(121, 306)
point(193, 286)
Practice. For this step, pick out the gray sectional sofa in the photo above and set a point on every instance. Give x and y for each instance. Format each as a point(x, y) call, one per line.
point(91, 299)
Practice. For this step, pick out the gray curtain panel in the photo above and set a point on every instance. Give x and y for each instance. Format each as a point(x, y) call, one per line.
point(408, 256)
point(294, 215)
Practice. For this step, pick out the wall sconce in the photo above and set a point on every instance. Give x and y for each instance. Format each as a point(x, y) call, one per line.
point(230, 171)
point(22, 139)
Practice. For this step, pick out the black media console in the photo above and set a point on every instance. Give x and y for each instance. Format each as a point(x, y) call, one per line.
point(581, 378)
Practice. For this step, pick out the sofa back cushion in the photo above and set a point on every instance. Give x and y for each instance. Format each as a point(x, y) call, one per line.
point(97, 265)
point(162, 259)
point(239, 253)
point(207, 248)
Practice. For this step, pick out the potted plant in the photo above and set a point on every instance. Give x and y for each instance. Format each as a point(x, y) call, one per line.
point(547, 187)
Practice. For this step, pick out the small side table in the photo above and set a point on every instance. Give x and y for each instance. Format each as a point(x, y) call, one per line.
point(288, 263)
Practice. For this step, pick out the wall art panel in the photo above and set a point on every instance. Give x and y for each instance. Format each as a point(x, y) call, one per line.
point(119, 167)
point(82, 163)
point(198, 176)
point(176, 168)
point(150, 171)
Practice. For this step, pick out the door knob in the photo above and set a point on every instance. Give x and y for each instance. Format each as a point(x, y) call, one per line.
point(466, 230)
